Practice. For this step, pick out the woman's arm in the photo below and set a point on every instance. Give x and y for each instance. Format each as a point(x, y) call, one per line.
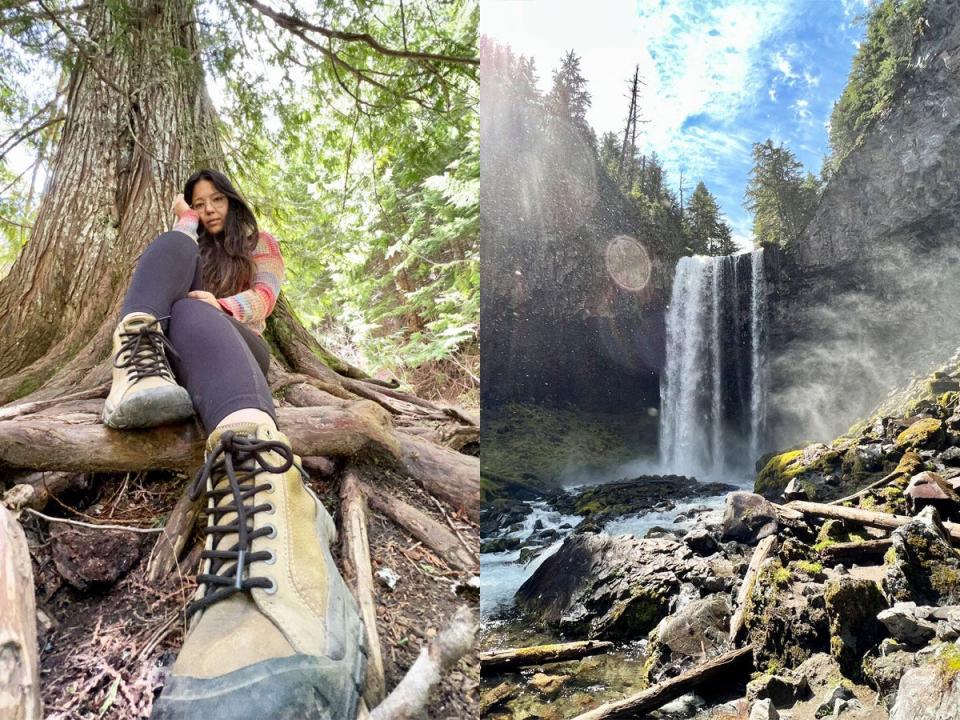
point(188, 221)
point(255, 304)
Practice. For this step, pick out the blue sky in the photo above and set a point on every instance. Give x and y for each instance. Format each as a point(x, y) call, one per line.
point(720, 75)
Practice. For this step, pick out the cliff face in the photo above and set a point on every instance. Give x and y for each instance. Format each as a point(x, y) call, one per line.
point(869, 294)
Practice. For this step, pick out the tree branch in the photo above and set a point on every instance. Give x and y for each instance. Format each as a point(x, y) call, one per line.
point(290, 22)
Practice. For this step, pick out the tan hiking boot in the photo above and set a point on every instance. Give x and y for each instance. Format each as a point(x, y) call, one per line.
point(144, 392)
point(274, 631)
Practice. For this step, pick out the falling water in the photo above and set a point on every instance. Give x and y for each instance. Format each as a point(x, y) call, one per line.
point(712, 390)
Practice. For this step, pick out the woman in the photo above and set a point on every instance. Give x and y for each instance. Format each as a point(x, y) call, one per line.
point(274, 632)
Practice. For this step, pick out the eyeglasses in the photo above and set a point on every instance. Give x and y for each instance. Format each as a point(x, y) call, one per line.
point(216, 201)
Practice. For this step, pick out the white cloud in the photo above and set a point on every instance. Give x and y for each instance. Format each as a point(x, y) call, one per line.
point(802, 110)
point(810, 79)
point(772, 93)
point(782, 64)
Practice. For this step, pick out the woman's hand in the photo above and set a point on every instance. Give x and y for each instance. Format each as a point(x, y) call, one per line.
point(179, 206)
point(206, 297)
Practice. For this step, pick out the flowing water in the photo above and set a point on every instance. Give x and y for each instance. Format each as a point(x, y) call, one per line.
point(713, 385)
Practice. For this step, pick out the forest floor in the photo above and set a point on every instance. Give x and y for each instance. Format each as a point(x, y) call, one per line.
point(104, 649)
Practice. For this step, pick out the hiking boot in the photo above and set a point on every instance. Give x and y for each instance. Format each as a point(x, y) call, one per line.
point(274, 632)
point(144, 392)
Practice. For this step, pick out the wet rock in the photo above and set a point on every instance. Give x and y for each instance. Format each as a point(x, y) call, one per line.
point(922, 565)
point(908, 623)
point(661, 532)
point(529, 553)
point(763, 710)
point(609, 587)
point(548, 685)
point(88, 558)
point(496, 697)
point(505, 544)
point(748, 518)
point(782, 690)
point(684, 706)
point(852, 606)
point(926, 434)
point(701, 541)
point(696, 632)
point(930, 691)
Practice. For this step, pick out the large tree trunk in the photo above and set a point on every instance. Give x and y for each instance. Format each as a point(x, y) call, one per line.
point(137, 123)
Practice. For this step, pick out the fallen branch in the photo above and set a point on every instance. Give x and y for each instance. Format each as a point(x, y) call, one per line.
point(760, 554)
point(95, 526)
point(872, 486)
point(409, 697)
point(662, 693)
point(855, 551)
point(870, 518)
point(499, 661)
point(19, 662)
point(423, 528)
point(359, 575)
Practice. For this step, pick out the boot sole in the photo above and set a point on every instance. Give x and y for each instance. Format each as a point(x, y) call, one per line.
point(299, 687)
point(149, 408)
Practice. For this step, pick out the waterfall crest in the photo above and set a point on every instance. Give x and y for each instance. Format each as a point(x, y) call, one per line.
point(713, 386)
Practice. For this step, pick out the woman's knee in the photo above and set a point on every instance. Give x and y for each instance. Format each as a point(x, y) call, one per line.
point(174, 243)
point(192, 319)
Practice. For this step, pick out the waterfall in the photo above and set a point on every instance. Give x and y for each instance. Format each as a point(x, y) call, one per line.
point(712, 389)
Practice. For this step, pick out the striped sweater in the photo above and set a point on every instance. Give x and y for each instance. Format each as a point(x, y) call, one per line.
point(252, 306)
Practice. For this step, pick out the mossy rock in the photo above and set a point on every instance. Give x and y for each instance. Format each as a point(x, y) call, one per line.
point(778, 471)
point(852, 608)
point(927, 433)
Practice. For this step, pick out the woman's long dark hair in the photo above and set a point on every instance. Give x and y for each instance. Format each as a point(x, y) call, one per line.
point(226, 257)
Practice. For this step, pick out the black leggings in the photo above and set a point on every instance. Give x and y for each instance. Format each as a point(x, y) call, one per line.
point(223, 364)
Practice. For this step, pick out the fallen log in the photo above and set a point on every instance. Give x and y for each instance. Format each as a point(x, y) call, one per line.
point(71, 437)
point(424, 528)
point(19, 662)
point(863, 491)
point(870, 518)
point(662, 693)
point(760, 554)
point(499, 661)
point(359, 576)
point(868, 550)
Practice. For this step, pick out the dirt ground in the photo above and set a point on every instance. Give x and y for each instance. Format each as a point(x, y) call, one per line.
point(104, 650)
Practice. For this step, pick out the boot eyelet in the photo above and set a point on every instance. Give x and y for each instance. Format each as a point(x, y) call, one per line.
point(273, 558)
point(273, 586)
point(271, 488)
point(271, 510)
point(273, 531)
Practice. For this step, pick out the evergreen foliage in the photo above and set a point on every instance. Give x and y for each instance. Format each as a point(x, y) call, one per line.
point(780, 197)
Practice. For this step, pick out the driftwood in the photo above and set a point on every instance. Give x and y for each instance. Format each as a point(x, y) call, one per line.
point(409, 697)
point(498, 661)
point(424, 528)
point(869, 550)
point(662, 693)
point(71, 437)
point(359, 575)
point(869, 518)
point(19, 662)
point(760, 554)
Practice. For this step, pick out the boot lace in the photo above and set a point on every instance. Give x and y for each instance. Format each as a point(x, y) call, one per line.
point(146, 347)
point(238, 459)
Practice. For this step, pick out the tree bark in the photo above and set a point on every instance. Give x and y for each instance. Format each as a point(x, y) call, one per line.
point(759, 555)
point(19, 663)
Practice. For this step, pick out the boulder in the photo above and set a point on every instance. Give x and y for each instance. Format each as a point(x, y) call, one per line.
point(929, 488)
point(505, 544)
point(548, 685)
point(885, 670)
point(701, 541)
point(605, 587)
point(852, 606)
point(931, 690)
point(908, 623)
point(926, 434)
point(922, 565)
point(763, 710)
point(698, 631)
point(748, 518)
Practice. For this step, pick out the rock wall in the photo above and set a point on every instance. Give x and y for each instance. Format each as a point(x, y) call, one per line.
point(868, 295)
